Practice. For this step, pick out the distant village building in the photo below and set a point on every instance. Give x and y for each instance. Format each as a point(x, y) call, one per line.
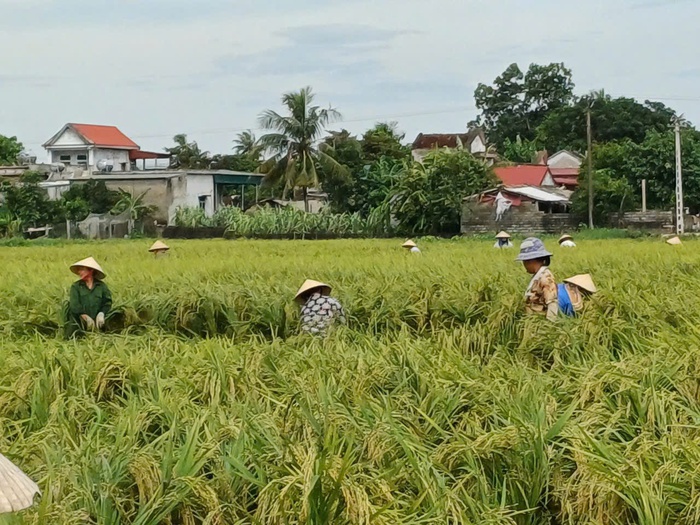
point(521, 209)
point(473, 141)
point(88, 148)
point(564, 166)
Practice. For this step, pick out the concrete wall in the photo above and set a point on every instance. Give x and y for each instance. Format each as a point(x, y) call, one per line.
point(159, 193)
point(69, 138)
point(478, 146)
point(200, 186)
point(652, 220)
point(117, 156)
point(526, 219)
point(73, 153)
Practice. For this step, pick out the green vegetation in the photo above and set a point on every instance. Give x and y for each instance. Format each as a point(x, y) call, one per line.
point(440, 402)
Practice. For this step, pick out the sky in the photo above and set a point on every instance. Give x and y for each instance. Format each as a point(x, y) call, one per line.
point(207, 68)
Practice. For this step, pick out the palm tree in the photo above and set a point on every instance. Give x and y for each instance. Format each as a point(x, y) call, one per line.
point(187, 154)
point(247, 145)
point(294, 146)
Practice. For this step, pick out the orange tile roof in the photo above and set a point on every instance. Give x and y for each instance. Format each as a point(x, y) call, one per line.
point(104, 136)
point(522, 175)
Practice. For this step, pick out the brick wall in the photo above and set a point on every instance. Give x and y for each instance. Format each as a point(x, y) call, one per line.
point(653, 220)
point(527, 219)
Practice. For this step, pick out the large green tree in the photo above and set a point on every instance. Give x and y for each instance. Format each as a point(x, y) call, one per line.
point(10, 150)
point(428, 197)
point(384, 140)
point(516, 103)
point(612, 119)
point(293, 142)
point(29, 203)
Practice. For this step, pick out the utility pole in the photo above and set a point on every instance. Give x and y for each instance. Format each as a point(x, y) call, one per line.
point(590, 167)
point(679, 181)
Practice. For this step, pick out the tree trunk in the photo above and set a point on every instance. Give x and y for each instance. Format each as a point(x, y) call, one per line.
point(306, 200)
point(67, 228)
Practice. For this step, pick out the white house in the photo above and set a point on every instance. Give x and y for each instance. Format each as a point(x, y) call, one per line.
point(564, 159)
point(85, 145)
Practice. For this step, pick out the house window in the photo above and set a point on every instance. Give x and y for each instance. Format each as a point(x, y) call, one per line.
point(82, 160)
point(203, 202)
point(65, 159)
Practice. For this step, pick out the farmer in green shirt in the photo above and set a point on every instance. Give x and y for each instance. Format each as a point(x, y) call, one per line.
point(90, 298)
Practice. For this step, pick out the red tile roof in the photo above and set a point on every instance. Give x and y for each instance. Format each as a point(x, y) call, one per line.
point(522, 175)
point(104, 136)
point(143, 155)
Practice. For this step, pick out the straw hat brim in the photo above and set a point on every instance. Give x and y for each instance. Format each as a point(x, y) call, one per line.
point(566, 238)
point(17, 491)
point(310, 286)
point(534, 255)
point(158, 246)
point(88, 263)
point(583, 281)
point(674, 241)
point(409, 244)
point(503, 235)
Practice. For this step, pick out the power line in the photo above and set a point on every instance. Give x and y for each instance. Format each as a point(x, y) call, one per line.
point(376, 118)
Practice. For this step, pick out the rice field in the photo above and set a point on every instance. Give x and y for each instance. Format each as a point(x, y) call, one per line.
point(439, 403)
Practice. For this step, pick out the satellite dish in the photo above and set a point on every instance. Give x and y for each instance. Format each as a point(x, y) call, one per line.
point(105, 166)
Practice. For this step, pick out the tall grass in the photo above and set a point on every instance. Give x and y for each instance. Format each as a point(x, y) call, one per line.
point(439, 403)
point(288, 222)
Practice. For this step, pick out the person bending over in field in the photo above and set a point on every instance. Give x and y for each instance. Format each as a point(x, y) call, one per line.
point(159, 249)
point(411, 246)
point(503, 241)
point(567, 241)
point(90, 298)
point(541, 296)
point(319, 310)
point(573, 292)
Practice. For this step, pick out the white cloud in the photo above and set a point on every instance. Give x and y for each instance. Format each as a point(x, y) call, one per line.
point(208, 68)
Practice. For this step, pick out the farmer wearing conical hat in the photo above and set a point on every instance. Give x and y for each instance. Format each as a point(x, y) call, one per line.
point(411, 246)
point(90, 298)
point(17, 491)
point(674, 241)
point(503, 241)
point(319, 311)
point(541, 296)
point(573, 292)
point(567, 241)
point(159, 248)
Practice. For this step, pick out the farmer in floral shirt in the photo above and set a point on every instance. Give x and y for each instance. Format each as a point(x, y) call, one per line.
point(541, 296)
point(319, 310)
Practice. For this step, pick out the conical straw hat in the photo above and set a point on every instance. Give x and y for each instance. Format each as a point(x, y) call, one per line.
point(409, 244)
point(583, 281)
point(17, 491)
point(88, 263)
point(503, 235)
point(566, 237)
point(310, 285)
point(674, 241)
point(158, 245)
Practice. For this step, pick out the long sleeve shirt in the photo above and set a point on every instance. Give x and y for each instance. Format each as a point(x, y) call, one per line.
point(84, 301)
point(319, 313)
